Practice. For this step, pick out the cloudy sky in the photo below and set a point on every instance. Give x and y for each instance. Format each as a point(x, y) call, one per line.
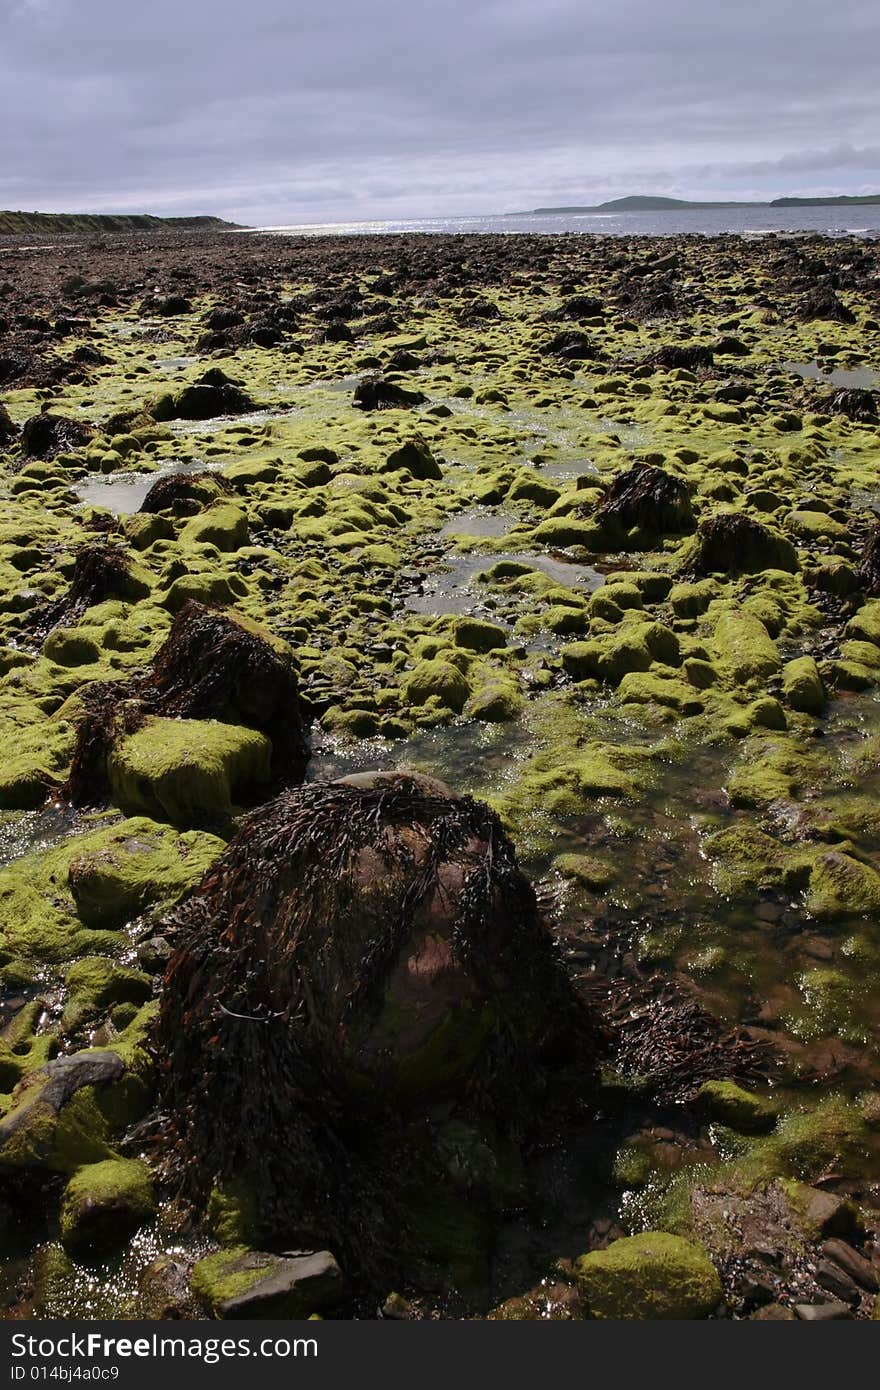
point(284, 111)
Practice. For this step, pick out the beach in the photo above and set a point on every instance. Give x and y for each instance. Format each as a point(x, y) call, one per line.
point(582, 527)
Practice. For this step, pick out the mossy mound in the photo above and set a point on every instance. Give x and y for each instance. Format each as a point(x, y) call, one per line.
point(187, 771)
point(104, 1204)
point(649, 1276)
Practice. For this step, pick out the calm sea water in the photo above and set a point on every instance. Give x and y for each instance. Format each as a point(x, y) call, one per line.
point(834, 221)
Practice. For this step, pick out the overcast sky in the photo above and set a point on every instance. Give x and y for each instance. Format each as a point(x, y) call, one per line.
point(280, 111)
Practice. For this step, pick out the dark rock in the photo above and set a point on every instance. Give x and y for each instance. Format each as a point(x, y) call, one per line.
point(869, 563)
point(8, 427)
point(184, 494)
point(854, 403)
point(648, 498)
point(577, 306)
point(572, 346)
point(44, 436)
point(377, 393)
point(361, 945)
point(268, 1286)
point(831, 1277)
point(212, 395)
point(853, 1264)
point(689, 357)
point(822, 303)
point(734, 543)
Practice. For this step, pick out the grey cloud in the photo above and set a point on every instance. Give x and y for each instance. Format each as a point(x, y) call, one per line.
point(278, 112)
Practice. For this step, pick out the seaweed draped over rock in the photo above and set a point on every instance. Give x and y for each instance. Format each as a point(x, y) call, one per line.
point(649, 498)
point(210, 666)
point(869, 563)
point(101, 571)
point(363, 950)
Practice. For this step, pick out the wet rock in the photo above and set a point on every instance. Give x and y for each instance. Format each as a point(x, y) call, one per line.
point(856, 404)
point(731, 1105)
point(689, 357)
point(415, 458)
point(211, 396)
point(104, 1204)
point(577, 306)
point(220, 669)
point(184, 494)
point(735, 543)
point(163, 1291)
point(378, 393)
point(52, 1121)
point(8, 428)
point(571, 346)
point(823, 303)
point(430, 941)
point(860, 1270)
point(44, 436)
point(802, 686)
point(648, 498)
point(649, 1276)
point(243, 1283)
point(831, 1277)
point(869, 563)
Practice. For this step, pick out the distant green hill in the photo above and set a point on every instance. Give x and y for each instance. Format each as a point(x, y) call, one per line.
point(842, 200)
point(648, 203)
point(67, 223)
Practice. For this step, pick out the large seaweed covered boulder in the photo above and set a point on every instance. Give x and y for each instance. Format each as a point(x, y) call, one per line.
point(363, 950)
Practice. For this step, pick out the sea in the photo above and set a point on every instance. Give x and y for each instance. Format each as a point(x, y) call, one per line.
point(747, 222)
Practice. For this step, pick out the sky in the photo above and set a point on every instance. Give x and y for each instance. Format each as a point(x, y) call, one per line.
point(273, 112)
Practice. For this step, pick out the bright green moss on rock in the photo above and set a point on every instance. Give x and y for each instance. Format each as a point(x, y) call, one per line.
point(649, 1276)
point(802, 686)
point(104, 1204)
point(439, 679)
point(187, 771)
point(242, 1283)
point(495, 702)
point(132, 866)
point(729, 1104)
point(745, 649)
point(477, 636)
point(94, 983)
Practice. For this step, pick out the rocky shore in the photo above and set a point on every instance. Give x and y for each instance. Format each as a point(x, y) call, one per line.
point(439, 831)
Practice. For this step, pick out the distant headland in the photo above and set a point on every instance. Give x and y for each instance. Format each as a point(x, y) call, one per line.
point(77, 223)
point(639, 203)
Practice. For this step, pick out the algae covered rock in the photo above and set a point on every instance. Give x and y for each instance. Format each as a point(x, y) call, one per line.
point(802, 686)
point(437, 679)
point(104, 1204)
point(746, 649)
point(735, 543)
point(129, 867)
point(187, 771)
point(57, 1121)
point(649, 1276)
point(242, 1283)
point(740, 1109)
point(648, 498)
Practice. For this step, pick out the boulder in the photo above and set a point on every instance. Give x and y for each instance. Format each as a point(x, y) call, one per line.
point(104, 1204)
point(649, 1276)
point(241, 1283)
point(361, 951)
